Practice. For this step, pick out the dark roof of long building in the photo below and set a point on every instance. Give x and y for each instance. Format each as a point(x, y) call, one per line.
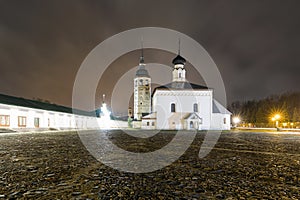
point(18, 101)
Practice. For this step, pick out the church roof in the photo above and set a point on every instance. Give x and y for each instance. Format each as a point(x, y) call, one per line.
point(176, 85)
point(150, 116)
point(142, 72)
point(178, 60)
point(191, 115)
point(218, 108)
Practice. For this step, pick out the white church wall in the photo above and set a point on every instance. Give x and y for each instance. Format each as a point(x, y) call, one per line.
point(227, 126)
point(184, 103)
point(148, 124)
point(205, 110)
point(220, 121)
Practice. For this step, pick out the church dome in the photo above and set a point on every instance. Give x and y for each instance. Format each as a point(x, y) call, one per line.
point(179, 60)
point(142, 72)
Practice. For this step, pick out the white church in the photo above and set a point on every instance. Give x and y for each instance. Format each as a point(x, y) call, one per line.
point(177, 105)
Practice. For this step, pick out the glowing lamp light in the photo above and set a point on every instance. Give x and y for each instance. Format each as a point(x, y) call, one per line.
point(292, 124)
point(277, 116)
point(236, 120)
point(276, 119)
point(273, 119)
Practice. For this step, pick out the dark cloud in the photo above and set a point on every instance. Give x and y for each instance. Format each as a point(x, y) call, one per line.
point(254, 43)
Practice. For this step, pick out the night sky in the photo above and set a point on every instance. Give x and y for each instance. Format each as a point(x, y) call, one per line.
point(254, 43)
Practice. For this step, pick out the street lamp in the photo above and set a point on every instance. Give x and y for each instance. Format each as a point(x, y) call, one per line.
point(236, 120)
point(276, 119)
point(284, 124)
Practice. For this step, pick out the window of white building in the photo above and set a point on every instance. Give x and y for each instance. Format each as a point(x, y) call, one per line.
point(173, 109)
point(224, 120)
point(37, 122)
point(4, 120)
point(21, 121)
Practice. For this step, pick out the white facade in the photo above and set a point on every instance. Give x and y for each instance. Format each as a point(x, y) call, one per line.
point(183, 105)
point(189, 109)
point(149, 121)
point(184, 101)
point(19, 117)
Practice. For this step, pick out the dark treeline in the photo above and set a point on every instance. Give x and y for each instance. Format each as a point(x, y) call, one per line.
point(261, 111)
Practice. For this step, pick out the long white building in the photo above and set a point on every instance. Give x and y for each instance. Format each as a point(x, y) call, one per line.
point(23, 114)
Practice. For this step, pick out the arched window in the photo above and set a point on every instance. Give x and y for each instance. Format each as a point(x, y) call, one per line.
point(195, 107)
point(173, 107)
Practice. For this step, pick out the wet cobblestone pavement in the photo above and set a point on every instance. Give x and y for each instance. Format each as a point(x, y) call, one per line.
point(241, 166)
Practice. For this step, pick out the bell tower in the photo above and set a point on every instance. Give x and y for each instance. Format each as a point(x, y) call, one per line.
point(142, 91)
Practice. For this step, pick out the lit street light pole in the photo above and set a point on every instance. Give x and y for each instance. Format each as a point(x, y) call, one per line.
point(236, 121)
point(276, 119)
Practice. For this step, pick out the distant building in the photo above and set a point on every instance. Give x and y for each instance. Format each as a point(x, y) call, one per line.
point(177, 105)
point(19, 113)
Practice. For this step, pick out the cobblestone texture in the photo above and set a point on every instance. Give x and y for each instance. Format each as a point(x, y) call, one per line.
point(241, 166)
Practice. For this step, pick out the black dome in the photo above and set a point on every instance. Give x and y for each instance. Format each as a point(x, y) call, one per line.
point(178, 60)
